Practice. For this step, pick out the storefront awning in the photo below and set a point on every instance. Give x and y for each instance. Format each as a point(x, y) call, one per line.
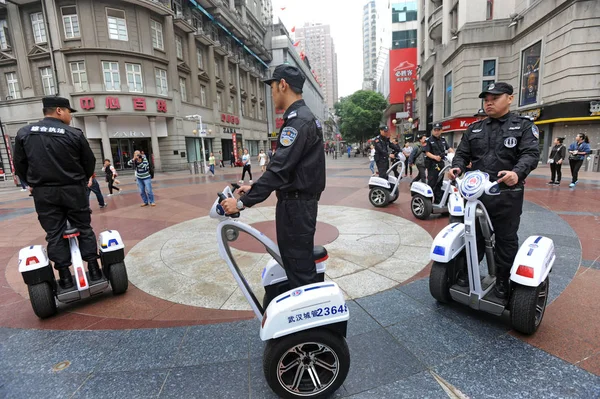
point(457, 124)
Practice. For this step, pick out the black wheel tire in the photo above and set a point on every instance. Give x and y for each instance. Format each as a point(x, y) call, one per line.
point(527, 306)
point(42, 300)
point(276, 352)
point(439, 282)
point(379, 197)
point(456, 219)
point(421, 207)
point(118, 278)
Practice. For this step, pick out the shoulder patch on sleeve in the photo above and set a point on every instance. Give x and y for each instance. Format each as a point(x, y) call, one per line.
point(288, 135)
point(535, 131)
point(292, 114)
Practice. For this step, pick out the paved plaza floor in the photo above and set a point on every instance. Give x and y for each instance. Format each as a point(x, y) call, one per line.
point(184, 330)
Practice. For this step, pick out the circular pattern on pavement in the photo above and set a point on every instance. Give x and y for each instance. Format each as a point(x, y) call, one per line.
point(373, 251)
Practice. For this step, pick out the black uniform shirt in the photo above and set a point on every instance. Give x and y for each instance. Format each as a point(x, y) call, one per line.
point(507, 143)
point(381, 148)
point(436, 146)
point(51, 153)
point(299, 161)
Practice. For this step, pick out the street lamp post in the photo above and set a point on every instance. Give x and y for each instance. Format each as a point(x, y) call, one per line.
point(201, 133)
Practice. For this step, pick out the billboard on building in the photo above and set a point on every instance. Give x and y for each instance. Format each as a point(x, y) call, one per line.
point(403, 71)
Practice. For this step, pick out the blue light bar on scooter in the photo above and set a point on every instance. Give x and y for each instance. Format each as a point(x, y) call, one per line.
point(112, 241)
point(457, 208)
point(439, 250)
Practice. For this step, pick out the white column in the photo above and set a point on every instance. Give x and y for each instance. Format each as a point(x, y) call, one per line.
point(105, 139)
point(154, 140)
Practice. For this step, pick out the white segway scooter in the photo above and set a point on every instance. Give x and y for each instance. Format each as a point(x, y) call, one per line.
point(456, 247)
point(383, 192)
point(43, 287)
point(306, 354)
point(422, 205)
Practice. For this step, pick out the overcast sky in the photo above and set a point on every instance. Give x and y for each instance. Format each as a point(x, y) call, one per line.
point(345, 19)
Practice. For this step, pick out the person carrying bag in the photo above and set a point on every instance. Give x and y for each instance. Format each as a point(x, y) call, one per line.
point(556, 158)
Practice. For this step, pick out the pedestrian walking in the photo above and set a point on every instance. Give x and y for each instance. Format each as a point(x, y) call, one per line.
point(111, 177)
point(262, 161)
point(247, 166)
point(143, 178)
point(417, 158)
point(211, 163)
point(94, 187)
point(578, 150)
point(407, 150)
point(372, 159)
point(556, 158)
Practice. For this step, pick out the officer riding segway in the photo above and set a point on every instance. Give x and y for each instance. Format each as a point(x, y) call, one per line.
point(435, 151)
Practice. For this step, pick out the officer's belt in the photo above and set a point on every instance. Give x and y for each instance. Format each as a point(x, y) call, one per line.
point(296, 195)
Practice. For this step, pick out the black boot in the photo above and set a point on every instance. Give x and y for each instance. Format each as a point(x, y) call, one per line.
point(501, 288)
point(463, 278)
point(65, 278)
point(94, 270)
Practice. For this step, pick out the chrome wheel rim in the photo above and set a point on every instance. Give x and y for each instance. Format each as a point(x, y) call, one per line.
point(540, 304)
point(308, 369)
point(377, 197)
point(418, 206)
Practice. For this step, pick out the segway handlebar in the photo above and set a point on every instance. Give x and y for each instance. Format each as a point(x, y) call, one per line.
point(476, 183)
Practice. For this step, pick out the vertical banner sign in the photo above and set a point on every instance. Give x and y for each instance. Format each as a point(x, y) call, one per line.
point(403, 64)
point(530, 74)
point(408, 103)
point(10, 158)
point(235, 154)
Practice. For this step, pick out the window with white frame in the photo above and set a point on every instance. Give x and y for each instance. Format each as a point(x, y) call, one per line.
point(219, 103)
point(182, 89)
point(38, 27)
point(200, 58)
point(70, 22)
point(162, 89)
point(203, 95)
point(231, 76)
point(134, 78)
point(448, 94)
point(179, 47)
point(117, 24)
point(79, 76)
point(47, 81)
point(112, 78)
point(157, 35)
point(489, 10)
point(13, 86)
point(217, 68)
point(3, 35)
point(230, 105)
point(489, 73)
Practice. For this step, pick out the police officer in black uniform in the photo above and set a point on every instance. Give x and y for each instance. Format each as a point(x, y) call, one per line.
point(480, 115)
point(505, 145)
point(297, 174)
point(56, 161)
point(436, 149)
point(382, 153)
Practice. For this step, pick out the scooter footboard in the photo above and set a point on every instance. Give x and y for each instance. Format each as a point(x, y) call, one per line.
point(448, 243)
point(533, 261)
point(34, 265)
point(303, 308)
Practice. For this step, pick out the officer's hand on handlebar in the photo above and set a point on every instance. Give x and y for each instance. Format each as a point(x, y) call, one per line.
point(392, 156)
point(244, 189)
point(508, 177)
point(230, 206)
point(453, 173)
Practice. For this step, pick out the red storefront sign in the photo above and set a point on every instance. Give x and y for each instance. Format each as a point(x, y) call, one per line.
point(457, 124)
point(408, 103)
point(139, 103)
point(87, 103)
point(161, 106)
point(234, 139)
point(230, 119)
point(112, 103)
point(403, 64)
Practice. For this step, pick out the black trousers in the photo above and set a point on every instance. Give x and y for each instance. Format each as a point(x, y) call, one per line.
point(382, 167)
point(296, 223)
point(575, 166)
point(247, 168)
point(407, 167)
point(555, 172)
point(111, 185)
point(421, 175)
point(54, 205)
point(433, 172)
point(505, 213)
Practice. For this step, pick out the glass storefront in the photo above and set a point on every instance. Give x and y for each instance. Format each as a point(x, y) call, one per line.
point(122, 150)
point(193, 148)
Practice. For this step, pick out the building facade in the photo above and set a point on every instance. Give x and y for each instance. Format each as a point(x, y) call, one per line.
point(135, 69)
point(284, 51)
point(370, 45)
point(547, 50)
point(316, 42)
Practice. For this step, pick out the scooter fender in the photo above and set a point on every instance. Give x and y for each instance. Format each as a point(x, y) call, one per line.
point(273, 273)
point(303, 308)
point(448, 243)
point(533, 262)
point(456, 205)
point(110, 241)
point(421, 188)
point(34, 265)
point(375, 181)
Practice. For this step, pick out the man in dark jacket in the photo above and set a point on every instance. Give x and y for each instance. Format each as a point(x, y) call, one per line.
point(56, 161)
point(297, 174)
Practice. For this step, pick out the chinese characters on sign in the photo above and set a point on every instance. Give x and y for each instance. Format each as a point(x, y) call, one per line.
point(320, 312)
point(139, 103)
point(161, 105)
point(112, 103)
point(87, 103)
point(230, 119)
point(402, 73)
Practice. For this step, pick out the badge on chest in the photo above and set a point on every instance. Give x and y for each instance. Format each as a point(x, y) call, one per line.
point(510, 142)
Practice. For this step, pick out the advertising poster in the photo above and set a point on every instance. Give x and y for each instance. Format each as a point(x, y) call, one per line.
point(403, 65)
point(530, 74)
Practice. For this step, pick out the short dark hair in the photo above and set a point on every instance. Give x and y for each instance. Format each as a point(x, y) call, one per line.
point(49, 110)
point(560, 139)
point(296, 90)
point(107, 160)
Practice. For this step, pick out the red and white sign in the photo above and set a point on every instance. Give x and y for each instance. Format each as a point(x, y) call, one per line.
point(408, 104)
point(457, 124)
point(403, 73)
point(235, 153)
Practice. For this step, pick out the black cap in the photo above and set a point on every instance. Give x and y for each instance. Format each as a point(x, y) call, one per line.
point(497, 88)
point(383, 127)
point(57, 102)
point(292, 75)
point(480, 112)
point(437, 126)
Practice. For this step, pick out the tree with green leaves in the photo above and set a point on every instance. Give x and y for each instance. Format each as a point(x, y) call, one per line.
point(360, 115)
